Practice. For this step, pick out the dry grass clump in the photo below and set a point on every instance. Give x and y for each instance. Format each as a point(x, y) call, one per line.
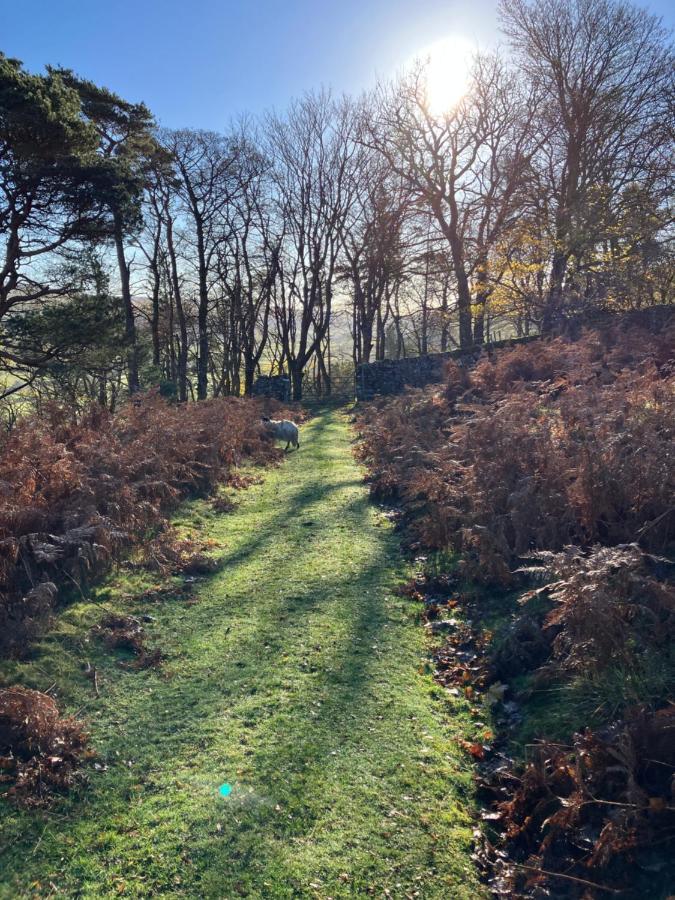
point(40, 751)
point(223, 504)
point(120, 632)
point(75, 492)
point(169, 554)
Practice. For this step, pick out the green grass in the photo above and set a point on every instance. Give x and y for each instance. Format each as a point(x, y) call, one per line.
point(554, 708)
point(298, 678)
point(592, 700)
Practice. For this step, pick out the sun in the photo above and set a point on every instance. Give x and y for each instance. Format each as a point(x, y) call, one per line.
point(447, 65)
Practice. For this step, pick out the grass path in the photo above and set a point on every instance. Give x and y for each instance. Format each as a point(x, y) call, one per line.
point(296, 678)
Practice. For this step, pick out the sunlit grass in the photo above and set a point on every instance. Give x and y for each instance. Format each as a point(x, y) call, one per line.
point(295, 678)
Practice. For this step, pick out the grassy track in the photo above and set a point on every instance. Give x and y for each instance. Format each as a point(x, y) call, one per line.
point(296, 678)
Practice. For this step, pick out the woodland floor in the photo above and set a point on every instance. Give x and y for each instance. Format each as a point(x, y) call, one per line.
point(298, 676)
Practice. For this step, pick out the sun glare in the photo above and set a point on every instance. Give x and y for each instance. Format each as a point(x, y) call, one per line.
point(447, 63)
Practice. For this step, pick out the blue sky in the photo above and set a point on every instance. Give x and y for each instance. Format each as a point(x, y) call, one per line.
point(200, 63)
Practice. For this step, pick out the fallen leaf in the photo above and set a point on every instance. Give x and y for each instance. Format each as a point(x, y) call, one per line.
point(476, 750)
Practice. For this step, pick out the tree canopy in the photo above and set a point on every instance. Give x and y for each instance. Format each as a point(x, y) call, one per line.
point(341, 229)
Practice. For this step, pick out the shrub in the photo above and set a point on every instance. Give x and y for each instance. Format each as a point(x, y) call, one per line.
point(589, 810)
point(75, 493)
point(562, 451)
point(608, 608)
point(582, 454)
point(40, 751)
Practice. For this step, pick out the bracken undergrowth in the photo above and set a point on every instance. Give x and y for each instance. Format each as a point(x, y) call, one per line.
point(548, 469)
point(78, 492)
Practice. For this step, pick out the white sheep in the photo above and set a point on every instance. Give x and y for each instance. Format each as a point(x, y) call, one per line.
point(283, 430)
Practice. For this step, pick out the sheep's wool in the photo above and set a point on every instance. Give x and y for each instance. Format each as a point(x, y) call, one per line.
point(284, 430)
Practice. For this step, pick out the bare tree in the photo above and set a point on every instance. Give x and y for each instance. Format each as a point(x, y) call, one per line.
point(150, 244)
point(165, 203)
point(311, 150)
point(604, 71)
point(208, 179)
point(467, 167)
point(373, 247)
point(248, 264)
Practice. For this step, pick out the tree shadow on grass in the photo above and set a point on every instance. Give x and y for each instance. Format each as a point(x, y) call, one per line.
point(297, 510)
point(233, 696)
point(286, 788)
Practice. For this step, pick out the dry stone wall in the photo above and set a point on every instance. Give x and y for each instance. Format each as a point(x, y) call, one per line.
point(392, 376)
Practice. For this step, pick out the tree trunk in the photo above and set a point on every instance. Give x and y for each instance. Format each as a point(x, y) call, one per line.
point(296, 380)
point(379, 337)
point(323, 373)
point(249, 375)
point(202, 320)
point(445, 325)
point(129, 319)
point(553, 310)
point(367, 332)
point(464, 309)
point(181, 373)
point(479, 321)
point(450, 231)
point(154, 322)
